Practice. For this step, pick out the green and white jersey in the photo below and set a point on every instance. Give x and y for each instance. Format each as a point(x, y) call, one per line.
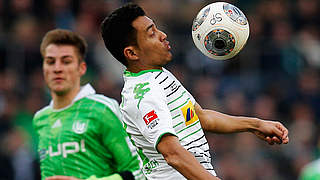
point(311, 171)
point(85, 138)
point(154, 103)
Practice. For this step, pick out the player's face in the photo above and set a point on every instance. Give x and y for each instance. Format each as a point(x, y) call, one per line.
point(153, 47)
point(62, 69)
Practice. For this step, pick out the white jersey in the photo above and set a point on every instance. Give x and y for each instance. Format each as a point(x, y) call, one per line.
point(155, 103)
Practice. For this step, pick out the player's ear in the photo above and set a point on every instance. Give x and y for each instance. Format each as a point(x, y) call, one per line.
point(82, 68)
point(130, 53)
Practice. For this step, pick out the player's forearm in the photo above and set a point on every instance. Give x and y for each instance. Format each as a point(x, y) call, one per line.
point(188, 166)
point(217, 122)
point(181, 159)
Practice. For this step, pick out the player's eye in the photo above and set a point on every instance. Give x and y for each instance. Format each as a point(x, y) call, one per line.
point(67, 61)
point(152, 32)
point(49, 61)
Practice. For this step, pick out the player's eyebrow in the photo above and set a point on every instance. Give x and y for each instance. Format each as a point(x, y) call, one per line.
point(67, 56)
point(63, 57)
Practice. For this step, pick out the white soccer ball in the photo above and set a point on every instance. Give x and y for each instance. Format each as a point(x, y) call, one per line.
point(220, 30)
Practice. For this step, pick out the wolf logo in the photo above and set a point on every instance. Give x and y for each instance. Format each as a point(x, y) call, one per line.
point(79, 127)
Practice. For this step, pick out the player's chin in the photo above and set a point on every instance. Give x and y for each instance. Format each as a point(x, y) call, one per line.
point(166, 59)
point(169, 56)
point(59, 90)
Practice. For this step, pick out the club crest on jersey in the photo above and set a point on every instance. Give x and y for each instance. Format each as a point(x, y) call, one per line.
point(151, 119)
point(79, 127)
point(189, 113)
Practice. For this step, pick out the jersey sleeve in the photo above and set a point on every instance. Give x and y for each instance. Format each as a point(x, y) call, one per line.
point(119, 145)
point(154, 115)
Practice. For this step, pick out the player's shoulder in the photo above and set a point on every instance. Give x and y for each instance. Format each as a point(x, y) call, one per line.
point(141, 82)
point(107, 101)
point(41, 115)
point(311, 170)
point(104, 102)
point(43, 111)
point(163, 77)
point(145, 75)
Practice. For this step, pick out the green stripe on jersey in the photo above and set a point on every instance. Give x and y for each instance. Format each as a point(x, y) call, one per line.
point(177, 98)
point(177, 125)
point(190, 134)
point(188, 127)
point(180, 105)
point(131, 74)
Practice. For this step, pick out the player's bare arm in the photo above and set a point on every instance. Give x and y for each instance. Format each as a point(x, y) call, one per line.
point(181, 159)
point(269, 131)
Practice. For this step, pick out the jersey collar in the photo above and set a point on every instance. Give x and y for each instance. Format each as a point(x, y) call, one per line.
point(84, 91)
point(131, 74)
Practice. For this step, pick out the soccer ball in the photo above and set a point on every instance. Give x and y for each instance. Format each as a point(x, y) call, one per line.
point(220, 30)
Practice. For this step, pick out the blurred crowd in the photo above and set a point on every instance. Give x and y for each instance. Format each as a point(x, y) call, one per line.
point(276, 77)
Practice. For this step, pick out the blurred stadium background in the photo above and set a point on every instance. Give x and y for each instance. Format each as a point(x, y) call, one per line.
point(276, 77)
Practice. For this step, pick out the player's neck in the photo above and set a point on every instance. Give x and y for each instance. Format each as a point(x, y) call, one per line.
point(64, 100)
point(136, 69)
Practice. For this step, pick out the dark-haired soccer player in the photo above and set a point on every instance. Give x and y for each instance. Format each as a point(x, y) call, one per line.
point(80, 134)
point(162, 117)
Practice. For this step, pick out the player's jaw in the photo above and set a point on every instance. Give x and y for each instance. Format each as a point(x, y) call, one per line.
point(168, 47)
point(166, 55)
point(59, 85)
point(63, 82)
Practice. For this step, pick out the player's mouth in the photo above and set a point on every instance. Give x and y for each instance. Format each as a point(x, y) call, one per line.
point(167, 44)
point(58, 79)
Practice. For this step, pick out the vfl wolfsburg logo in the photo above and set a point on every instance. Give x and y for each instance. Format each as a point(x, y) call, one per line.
point(79, 127)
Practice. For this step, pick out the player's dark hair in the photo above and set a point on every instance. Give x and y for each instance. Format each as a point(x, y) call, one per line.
point(64, 37)
point(118, 32)
point(126, 175)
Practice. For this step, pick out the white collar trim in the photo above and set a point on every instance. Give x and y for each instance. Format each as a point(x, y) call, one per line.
point(85, 90)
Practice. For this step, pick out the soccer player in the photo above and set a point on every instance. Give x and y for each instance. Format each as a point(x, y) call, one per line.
point(311, 171)
point(80, 134)
point(162, 117)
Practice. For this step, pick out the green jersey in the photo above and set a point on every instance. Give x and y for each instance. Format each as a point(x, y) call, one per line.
point(311, 171)
point(85, 138)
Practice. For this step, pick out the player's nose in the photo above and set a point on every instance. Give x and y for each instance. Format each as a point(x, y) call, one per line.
point(58, 66)
point(163, 36)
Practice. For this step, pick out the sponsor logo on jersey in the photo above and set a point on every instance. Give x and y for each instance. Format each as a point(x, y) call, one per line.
point(57, 124)
point(189, 113)
point(42, 153)
point(174, 86)
point(147, 168)
point(151, 119)
point(63, 149)
point(140, 90)
point(79, 127)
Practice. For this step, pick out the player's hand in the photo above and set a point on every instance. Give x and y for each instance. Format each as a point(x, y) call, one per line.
point(61, 178)
point(272, 132)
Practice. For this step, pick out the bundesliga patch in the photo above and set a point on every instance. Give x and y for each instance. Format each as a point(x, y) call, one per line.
point(151, 119)
point(150, 116)
point(189, 113)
